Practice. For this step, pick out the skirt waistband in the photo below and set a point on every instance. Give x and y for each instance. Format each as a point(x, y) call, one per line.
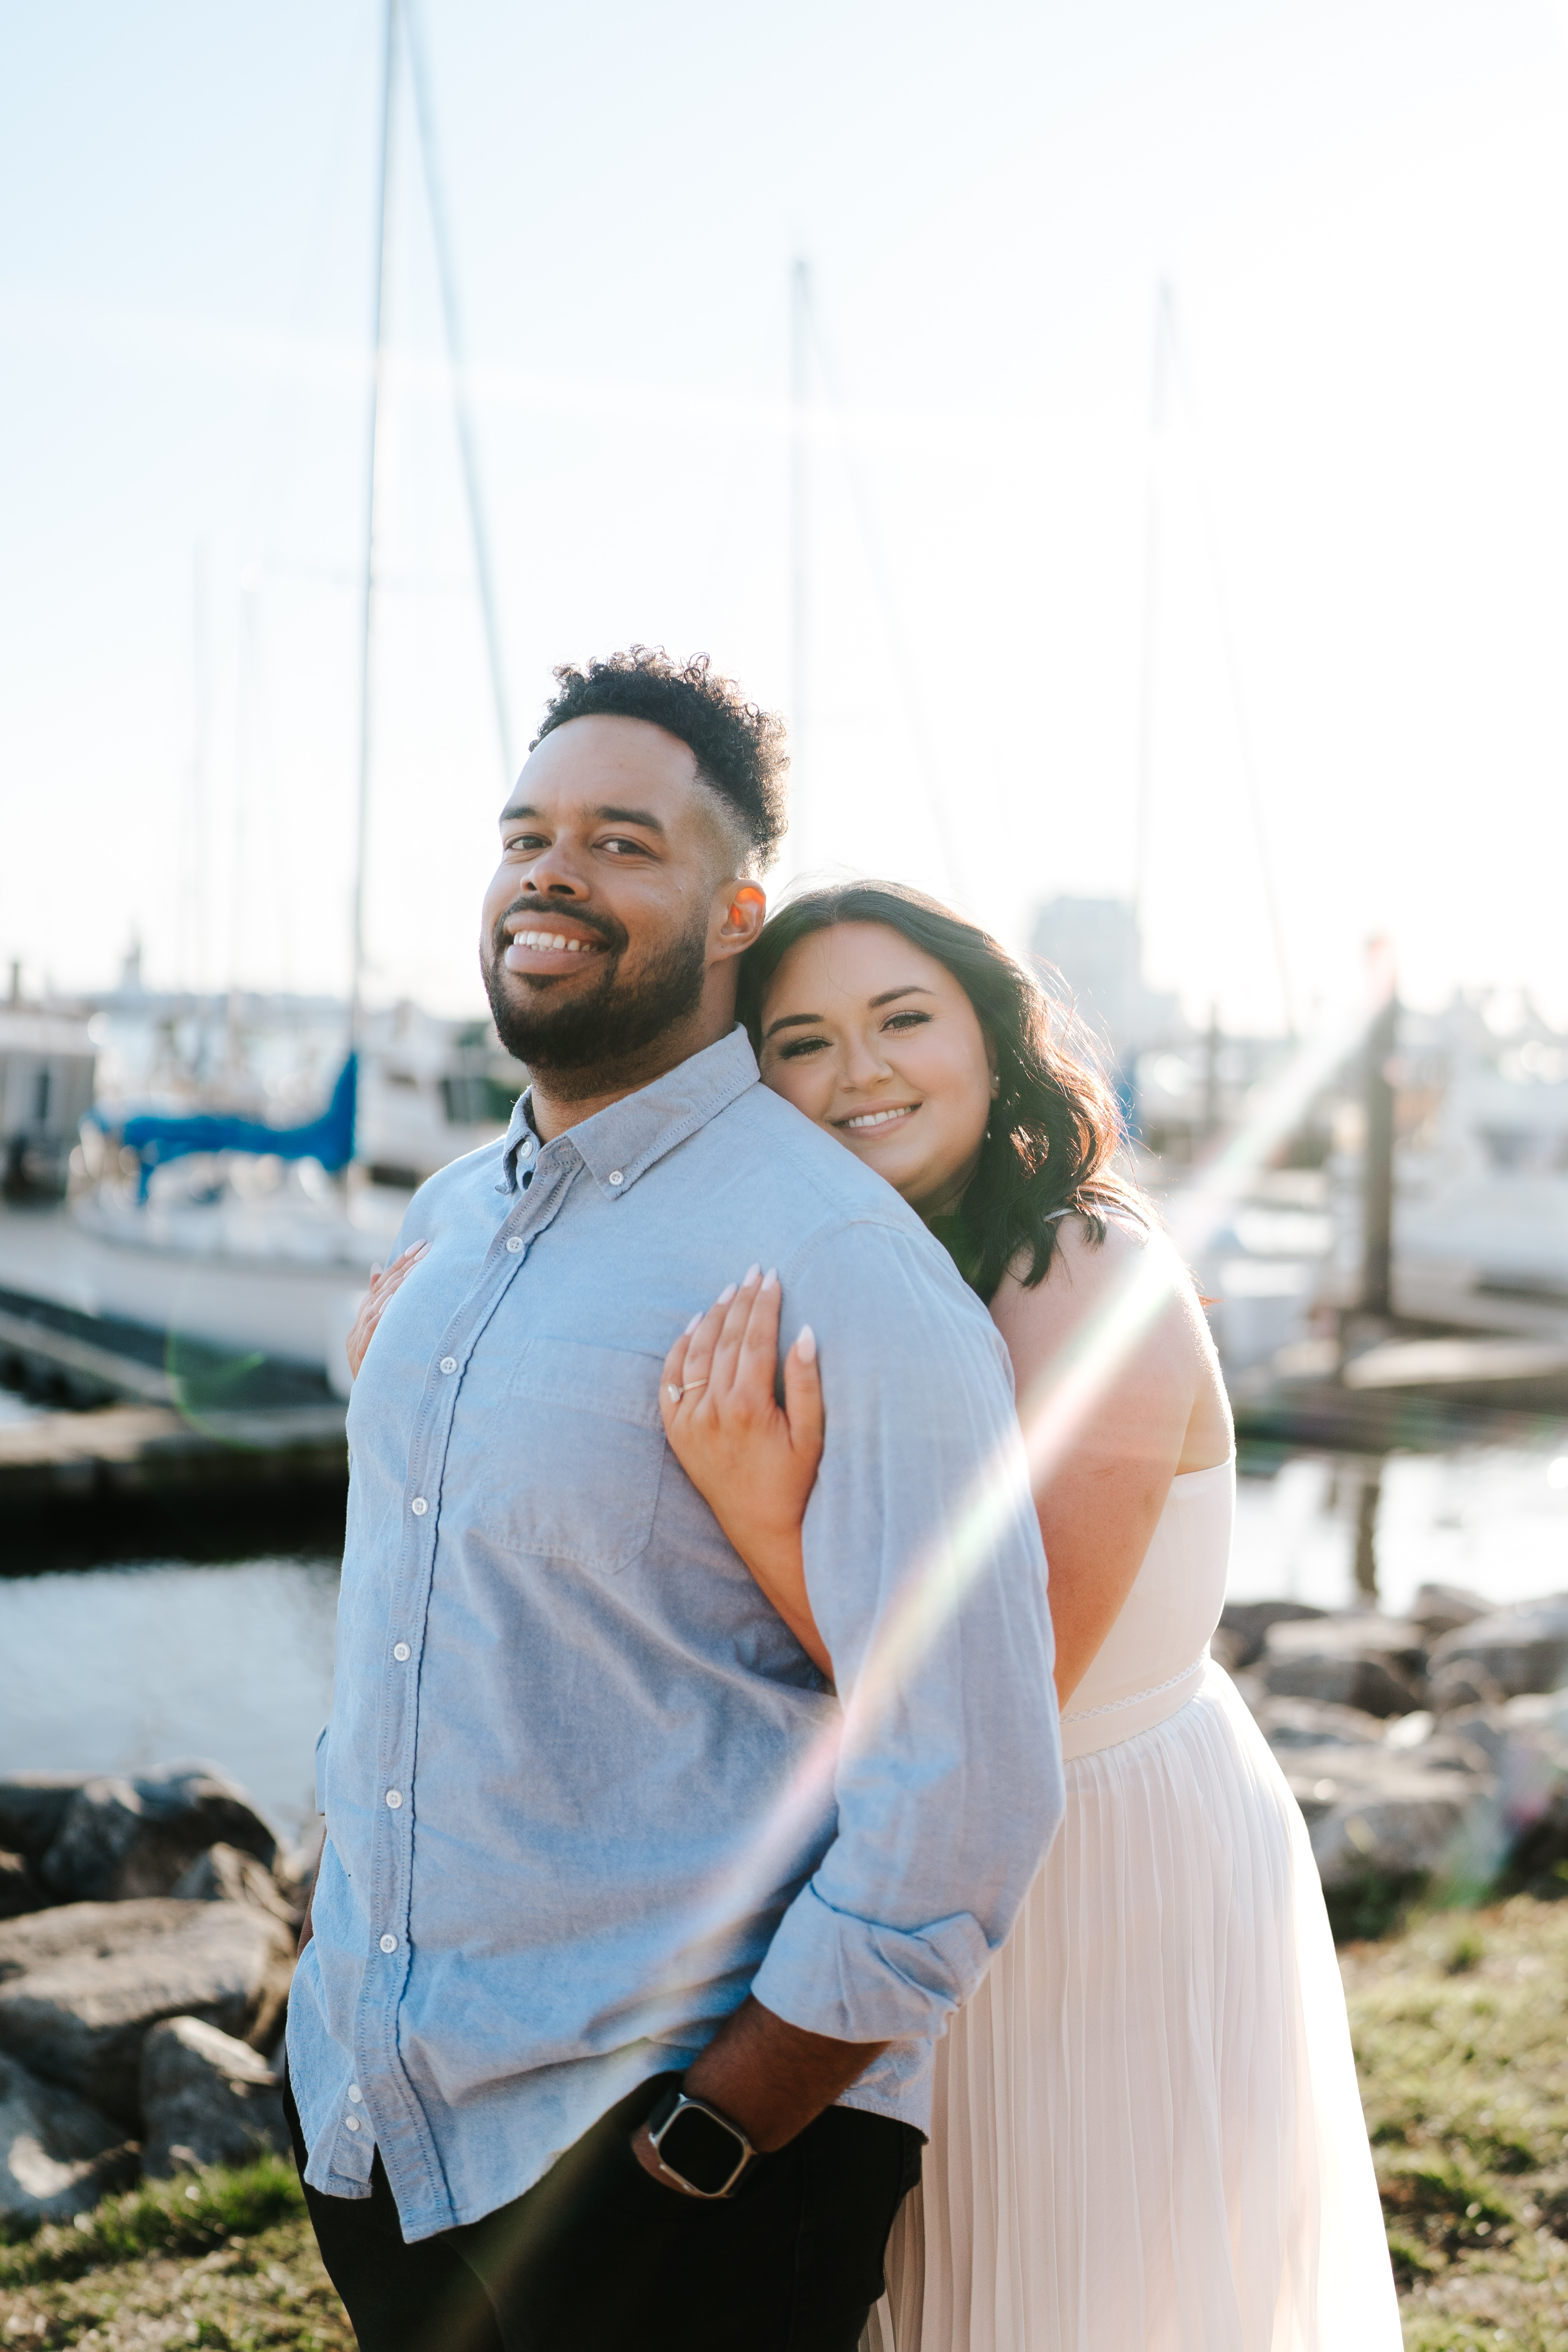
point(1085, 1730)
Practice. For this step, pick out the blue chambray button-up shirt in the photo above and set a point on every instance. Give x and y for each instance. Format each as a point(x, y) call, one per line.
point(583, 1788)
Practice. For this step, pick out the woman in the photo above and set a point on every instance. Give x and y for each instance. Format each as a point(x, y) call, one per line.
point(1146, 2136)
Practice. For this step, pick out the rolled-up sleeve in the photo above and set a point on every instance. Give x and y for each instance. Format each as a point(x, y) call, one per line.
point(927, 1581)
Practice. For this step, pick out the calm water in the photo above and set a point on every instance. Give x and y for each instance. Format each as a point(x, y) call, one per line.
point(114, 1668)
point(117, 1667)
point(1492, 1519)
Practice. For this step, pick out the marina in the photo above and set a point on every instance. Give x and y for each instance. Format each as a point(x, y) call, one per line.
point(1098, 471)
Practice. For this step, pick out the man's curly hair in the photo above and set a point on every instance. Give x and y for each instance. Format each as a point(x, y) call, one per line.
point(738, 750)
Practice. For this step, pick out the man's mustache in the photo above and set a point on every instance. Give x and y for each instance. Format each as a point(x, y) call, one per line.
point(612, 933)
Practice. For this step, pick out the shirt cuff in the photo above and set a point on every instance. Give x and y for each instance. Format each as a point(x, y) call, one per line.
point(855, 1981)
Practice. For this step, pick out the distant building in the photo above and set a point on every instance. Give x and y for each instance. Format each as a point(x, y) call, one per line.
point(1095, 945)
point(47, 1065)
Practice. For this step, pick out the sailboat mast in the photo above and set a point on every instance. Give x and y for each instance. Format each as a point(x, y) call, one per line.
point(378, 319)
point(799, 343)
point(1149, 650)
point(457, 361)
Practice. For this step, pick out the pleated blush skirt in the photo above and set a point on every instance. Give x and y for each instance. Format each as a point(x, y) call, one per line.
point(1147, 2134)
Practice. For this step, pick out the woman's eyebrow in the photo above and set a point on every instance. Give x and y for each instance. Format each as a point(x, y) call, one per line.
point(793, 1020)
point(811, 1020)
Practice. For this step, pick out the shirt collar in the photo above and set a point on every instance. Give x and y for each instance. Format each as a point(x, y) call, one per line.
point(619, 1143)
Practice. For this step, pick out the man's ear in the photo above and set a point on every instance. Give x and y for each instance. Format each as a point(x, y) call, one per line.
point(745, 912)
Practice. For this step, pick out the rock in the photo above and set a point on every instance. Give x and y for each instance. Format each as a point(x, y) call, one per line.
point(1378, 1810)
point(1462, 1683)
point(1523, 1649)
point(224, 1875)
point(1290, 1723)
point(57, 2154)
point(19, 1889)
point(1443, 1752)
point(121, 1838)
point(1525, 1742)
point(1409, 1828)
point(32, 1807)
point(1360, 1660)
point(206, 2099)
point(83, 1985)
point(1440, 1607)
point(1245, 1622)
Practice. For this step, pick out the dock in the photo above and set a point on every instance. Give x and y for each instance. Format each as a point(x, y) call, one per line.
point(125, 1417)
point(1412, 1389)
point(140, 1452)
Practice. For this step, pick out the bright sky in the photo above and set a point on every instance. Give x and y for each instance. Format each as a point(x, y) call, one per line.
point(1360, 207)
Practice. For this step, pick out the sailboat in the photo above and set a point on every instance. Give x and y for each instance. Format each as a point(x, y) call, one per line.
point(226, 1229)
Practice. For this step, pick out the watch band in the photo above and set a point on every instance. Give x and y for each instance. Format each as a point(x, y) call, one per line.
point(698, 2146)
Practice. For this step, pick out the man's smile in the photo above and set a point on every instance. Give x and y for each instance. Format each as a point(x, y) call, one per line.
point(539, 946)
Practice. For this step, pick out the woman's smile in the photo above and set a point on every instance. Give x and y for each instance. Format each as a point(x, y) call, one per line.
point(866, 1122)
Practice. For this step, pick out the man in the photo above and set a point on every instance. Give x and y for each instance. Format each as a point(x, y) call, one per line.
point(631, 1937)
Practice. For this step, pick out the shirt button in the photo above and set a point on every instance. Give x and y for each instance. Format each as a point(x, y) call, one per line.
point(419, 1507)
point(448, 1363)
point(402, 1652)
point(389, 1943)
point(617, 1176)
point(352, 2122)
point(513, 1243)
point(526, 1146)
point(355, 2094)
point(393, 1797)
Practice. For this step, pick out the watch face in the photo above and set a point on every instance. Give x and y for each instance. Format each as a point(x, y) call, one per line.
point(702, 2150)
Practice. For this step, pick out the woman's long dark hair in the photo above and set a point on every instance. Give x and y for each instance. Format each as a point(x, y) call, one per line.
point(1054, 1130)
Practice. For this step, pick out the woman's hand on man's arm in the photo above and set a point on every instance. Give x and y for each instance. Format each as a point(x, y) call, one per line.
point(753, 1461)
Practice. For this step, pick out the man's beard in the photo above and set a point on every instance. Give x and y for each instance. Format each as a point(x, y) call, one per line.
point(577, 1029)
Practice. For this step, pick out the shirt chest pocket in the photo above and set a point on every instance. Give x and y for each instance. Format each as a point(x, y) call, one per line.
point(590, 1449)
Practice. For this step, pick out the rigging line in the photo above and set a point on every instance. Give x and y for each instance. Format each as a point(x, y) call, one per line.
point(1233, 671)
point(881, 581)
point(468, 448)
point(799, 363)
point(1142, 803)
point(378, 313)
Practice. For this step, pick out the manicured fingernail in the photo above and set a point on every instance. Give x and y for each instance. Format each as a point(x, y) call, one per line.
point(805, 1346)
point(771, 1279)
point(692, 1325)
point(725, 1295)
point(751, 1274)
point(672, 1392)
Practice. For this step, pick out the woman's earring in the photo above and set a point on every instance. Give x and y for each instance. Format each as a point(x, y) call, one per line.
point(996, 1084)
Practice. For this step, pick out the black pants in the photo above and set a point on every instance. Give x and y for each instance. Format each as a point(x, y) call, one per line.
point(597, 2257)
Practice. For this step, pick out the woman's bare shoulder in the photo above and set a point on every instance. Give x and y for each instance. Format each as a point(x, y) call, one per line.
point(1084, 1266)
point(1159, 1358)
point(1089, 1273)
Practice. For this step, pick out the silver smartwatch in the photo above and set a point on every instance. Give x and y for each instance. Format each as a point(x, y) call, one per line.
point(700, 2149)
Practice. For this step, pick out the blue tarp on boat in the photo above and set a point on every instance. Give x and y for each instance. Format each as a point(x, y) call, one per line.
point(156, 1138)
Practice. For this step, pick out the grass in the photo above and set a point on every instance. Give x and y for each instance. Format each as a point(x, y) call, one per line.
point(227, 2259)
point(1460, 2023)
point(1461, 2026)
